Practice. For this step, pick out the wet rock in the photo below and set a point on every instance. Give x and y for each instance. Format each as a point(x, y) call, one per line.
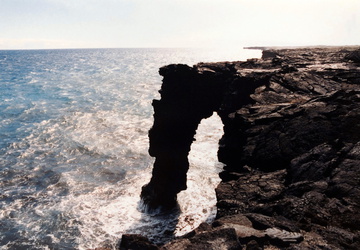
point(253, 245)
point(241, 195)
point(136, 242)
point(224, 238)
point(238, 219)
point(245, 233)
point(249, 230)
point(261, 221)
point(284, 237)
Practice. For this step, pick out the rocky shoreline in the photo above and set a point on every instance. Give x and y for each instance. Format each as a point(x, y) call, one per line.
point(291, 147)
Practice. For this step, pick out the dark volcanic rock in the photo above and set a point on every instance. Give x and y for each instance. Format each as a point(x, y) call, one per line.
point(294, 152)
point(354, 56)
point(187, 96)
point(136, 242)
point(223, 238)
point(291, 146)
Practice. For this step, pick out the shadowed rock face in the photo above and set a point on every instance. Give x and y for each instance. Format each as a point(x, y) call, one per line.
point(291, 146)
point(292, 158)
point(187, 96)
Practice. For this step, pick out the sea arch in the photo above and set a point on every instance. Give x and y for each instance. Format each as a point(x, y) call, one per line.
point(188, 95)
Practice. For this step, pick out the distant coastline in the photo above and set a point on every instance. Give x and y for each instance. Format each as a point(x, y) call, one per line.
point(300, 47)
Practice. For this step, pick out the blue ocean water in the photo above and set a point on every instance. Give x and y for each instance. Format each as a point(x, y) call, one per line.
point(73, 147)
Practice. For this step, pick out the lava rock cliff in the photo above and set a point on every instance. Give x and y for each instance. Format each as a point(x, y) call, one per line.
point(291, 148)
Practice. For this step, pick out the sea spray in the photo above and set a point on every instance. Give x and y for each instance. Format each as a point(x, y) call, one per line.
point(73, 148)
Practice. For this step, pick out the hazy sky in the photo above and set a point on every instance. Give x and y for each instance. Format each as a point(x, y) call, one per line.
point(35, 24)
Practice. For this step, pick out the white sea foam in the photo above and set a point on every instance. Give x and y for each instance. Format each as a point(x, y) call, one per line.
point(73, 148)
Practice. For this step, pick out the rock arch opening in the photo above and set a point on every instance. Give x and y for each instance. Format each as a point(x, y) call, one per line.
point(188, 95)
point(198, 201)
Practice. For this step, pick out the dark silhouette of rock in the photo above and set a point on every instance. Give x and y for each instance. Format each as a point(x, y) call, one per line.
point(136, 242)
point(188, 95)
point(291, 147)
point(354, 56)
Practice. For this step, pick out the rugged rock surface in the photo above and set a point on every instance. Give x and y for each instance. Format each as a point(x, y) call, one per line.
point(291, 146)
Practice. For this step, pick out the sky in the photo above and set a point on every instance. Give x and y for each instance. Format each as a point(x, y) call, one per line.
point(51, 24)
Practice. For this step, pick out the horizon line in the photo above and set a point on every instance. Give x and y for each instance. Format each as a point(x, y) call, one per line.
point(259, 47)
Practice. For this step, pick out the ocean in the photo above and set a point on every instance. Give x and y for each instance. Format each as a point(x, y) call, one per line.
point(73, 147)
